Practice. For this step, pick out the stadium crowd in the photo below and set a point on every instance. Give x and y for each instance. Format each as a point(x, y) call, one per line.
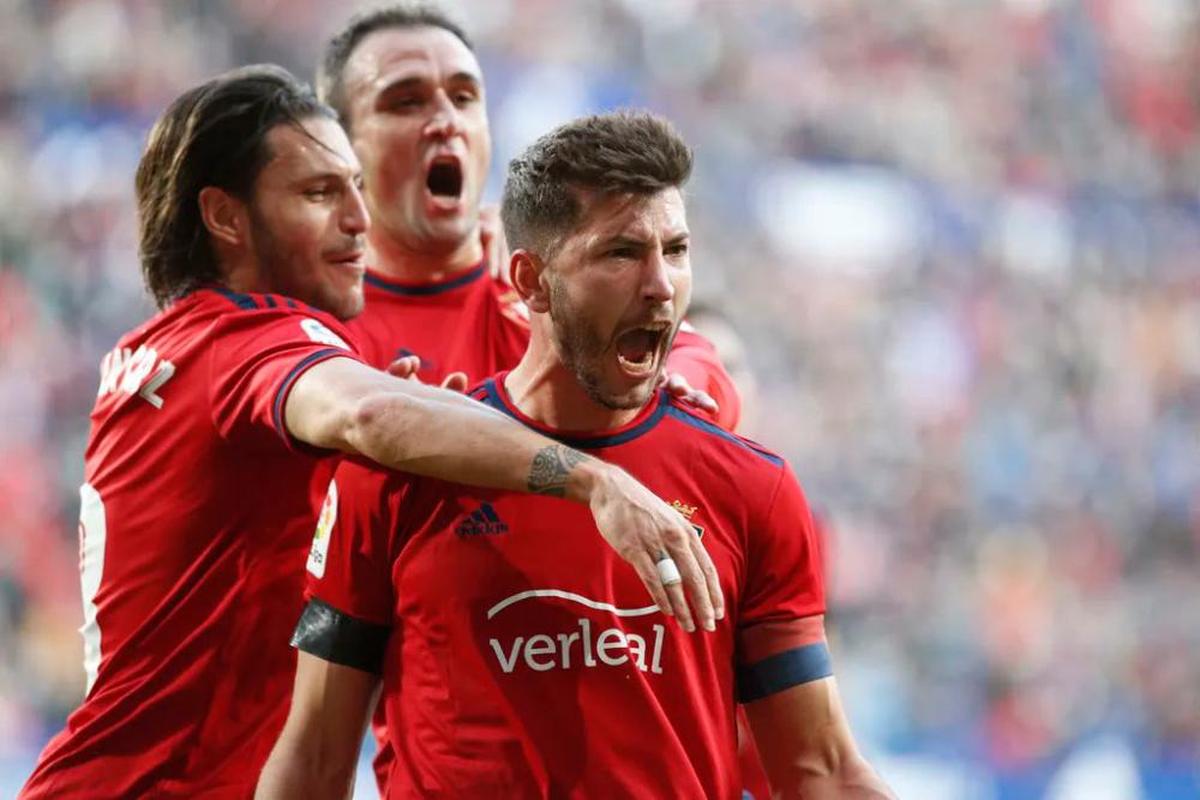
point(959, 242)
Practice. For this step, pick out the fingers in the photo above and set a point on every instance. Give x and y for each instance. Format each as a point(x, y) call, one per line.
point(644, 565)
point(455, 382)
point(404, 367)
point(679, 387)
point(491, 236)
point(712, 580)
point(678, 545)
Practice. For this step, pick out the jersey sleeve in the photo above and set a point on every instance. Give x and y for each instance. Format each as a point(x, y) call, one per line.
point(254, 361)
point(695, 358)
point(781, 631)
point(349, 570)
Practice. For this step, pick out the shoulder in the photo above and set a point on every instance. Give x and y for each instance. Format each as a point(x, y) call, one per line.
point(274, 316)
point(739, 451)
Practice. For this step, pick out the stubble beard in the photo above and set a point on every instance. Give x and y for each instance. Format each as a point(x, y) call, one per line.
point(582, 351)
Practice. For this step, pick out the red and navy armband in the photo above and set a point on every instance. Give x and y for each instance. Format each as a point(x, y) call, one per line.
point(776, 656)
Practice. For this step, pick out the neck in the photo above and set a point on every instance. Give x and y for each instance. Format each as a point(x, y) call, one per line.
point(396, 259)
point(243, 275)
point(546, 391)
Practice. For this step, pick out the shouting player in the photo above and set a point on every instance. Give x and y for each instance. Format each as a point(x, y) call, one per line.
point(209, 421)
point(410, 93)
point(507, 669)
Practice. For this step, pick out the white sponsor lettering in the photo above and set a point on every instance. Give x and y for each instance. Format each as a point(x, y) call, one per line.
point(137, 372)
point(613, 647)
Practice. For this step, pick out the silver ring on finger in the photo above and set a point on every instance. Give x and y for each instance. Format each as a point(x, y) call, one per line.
point(668, 571)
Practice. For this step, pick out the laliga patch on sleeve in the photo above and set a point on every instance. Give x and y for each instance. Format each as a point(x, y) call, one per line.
point(320, 543)
point(319, 333)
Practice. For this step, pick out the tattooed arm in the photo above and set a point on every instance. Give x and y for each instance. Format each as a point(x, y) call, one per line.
point(344, 405)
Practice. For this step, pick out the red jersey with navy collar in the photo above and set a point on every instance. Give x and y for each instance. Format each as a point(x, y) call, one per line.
point(521, 657)
point(195, 520)
point(473, 322)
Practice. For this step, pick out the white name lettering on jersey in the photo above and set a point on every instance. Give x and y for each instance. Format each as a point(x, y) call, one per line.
point(139, 372)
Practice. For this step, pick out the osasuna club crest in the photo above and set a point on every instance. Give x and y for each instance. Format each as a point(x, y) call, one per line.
point(686, 512)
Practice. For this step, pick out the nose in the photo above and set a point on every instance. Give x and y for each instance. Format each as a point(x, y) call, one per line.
point(445, 121)
point(656, 283)
point(355, 219)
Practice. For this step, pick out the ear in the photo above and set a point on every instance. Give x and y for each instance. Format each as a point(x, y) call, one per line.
point(526, 273)
point(224, 216)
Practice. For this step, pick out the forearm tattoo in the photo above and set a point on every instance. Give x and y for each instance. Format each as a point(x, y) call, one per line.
point(551, 466)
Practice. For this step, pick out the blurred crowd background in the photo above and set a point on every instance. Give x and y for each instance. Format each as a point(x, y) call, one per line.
point(958, 240)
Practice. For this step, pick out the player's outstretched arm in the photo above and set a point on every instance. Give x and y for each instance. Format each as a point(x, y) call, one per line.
point(405, 425)
point(317, 752)
point(807, 747)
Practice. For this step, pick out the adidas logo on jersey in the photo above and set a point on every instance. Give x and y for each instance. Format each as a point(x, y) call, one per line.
point(483, 521)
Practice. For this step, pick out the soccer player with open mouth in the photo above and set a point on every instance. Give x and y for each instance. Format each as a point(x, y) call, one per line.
point(507, 669)
point(214, 416)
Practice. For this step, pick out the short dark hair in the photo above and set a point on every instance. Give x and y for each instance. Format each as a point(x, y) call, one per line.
point(331, 72)
point(212, 135)
point(614, 153)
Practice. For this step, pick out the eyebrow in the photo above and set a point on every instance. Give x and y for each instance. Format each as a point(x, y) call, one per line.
point(326, 175)
point(623, 240)
point(413, 81)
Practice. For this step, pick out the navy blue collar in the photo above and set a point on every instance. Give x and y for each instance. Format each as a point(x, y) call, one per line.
point(494, 396)
point(425, 290)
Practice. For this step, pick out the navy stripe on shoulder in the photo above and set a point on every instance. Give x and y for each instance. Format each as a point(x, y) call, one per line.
point(269, 300)
point(339, 638)
point(489, 395)
point(783, 671)
point(237, 298)
point(290, 302)
point(286, 385)
point(717, 430)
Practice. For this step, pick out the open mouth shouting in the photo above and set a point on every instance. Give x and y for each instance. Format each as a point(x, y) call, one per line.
point(639, 349)
point(444, 183)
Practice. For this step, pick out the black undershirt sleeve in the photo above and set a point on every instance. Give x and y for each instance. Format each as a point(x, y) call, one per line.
point(329, 634)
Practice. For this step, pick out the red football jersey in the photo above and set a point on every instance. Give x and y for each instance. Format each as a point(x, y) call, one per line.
point(474, 323)
point(469, 322)
point(194, 526)
point(521, 657)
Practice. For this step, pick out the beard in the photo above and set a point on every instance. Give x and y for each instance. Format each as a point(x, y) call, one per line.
point(584, 351)
point(279, 265)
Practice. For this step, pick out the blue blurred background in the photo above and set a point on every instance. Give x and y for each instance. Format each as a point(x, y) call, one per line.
point(958, 242)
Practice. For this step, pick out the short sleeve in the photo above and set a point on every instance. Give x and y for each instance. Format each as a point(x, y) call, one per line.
point(348, 617)
point(350, 562)
point(695, 358)
point(255, 359)
point(781, 633)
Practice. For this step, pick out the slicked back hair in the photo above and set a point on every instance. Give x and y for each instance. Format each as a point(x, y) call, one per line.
point(331, 72)
point(622, 152)
point(212, 135)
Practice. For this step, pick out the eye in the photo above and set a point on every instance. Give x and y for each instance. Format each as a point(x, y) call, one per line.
point(405, 102)
point(622, 252)
point(318, 193)
point(677, 249)
point(463, 98)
